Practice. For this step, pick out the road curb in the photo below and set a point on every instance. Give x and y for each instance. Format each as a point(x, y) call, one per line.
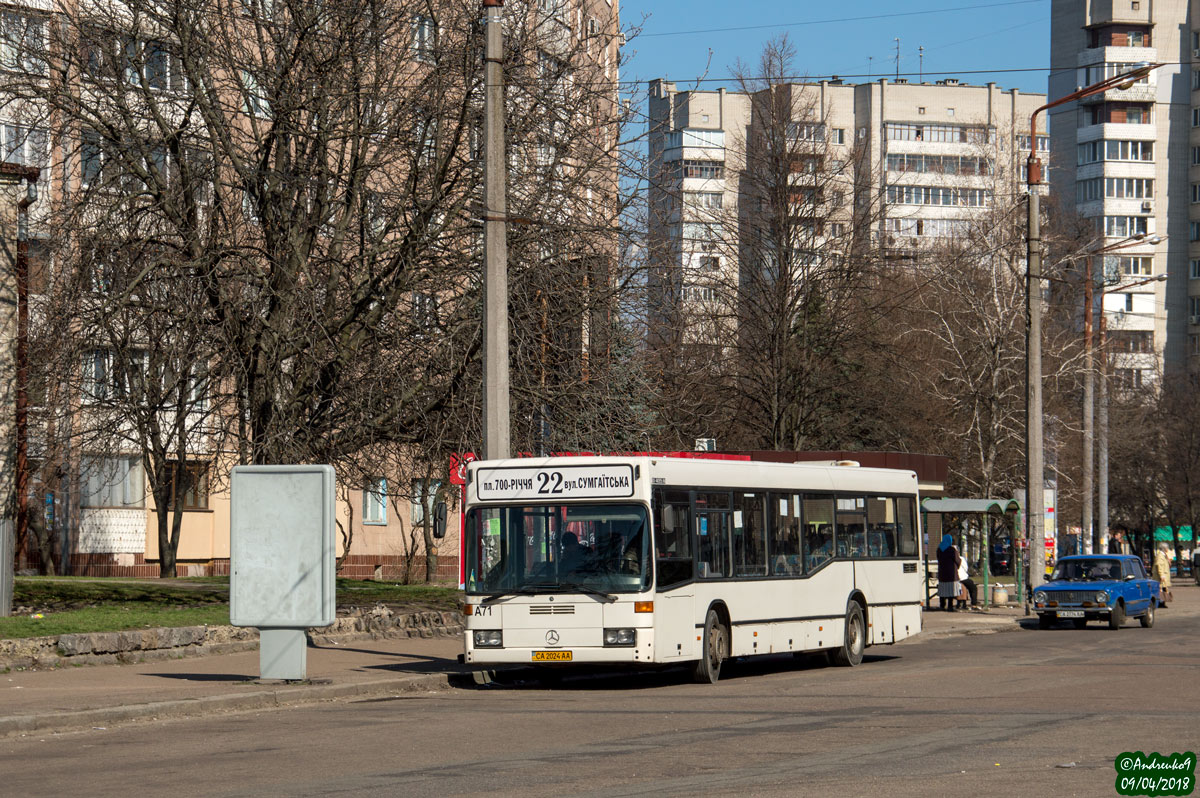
point(70, 720)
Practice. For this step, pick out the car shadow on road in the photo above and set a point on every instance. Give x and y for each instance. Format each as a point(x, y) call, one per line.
point(206, 677)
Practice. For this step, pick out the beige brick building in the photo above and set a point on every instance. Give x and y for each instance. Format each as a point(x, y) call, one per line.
point(917, 161)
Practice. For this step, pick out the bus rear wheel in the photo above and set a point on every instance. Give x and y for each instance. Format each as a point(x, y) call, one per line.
point(715, 649)
point(851, 652)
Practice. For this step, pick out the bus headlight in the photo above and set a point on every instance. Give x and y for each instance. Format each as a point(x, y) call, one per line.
point(1101, 597)
point(488, 638)
point(620, 637)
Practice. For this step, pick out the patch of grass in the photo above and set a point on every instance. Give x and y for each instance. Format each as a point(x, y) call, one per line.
point(78, 593)
point(359, 593)
point(111, 618)
point(79, 604)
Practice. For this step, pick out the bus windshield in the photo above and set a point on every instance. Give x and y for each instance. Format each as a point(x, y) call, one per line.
point(558, 548)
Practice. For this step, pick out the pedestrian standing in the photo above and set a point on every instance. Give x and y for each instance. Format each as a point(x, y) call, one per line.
point(968, 585)
point(948, 560)
point(1161, 571)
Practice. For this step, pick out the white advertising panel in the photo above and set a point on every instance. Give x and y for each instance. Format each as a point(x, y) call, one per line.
point(557, 482)
point(281, 537)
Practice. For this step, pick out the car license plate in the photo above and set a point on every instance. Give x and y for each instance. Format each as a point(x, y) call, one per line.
point(1070, 613)
point(551, 656)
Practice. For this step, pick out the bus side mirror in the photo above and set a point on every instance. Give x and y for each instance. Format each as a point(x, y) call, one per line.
point(439, 520)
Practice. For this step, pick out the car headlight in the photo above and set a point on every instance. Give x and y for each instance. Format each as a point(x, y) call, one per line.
point(1101, 597)
point(488, 638)
point(1039, 597)
point(620, 637)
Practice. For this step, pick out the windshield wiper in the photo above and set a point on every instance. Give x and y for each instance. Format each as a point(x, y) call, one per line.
point(590, 591)
point(516, 591)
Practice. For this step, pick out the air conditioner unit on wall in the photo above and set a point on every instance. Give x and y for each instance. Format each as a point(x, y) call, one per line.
point(1196, 52)
point(1147, 205)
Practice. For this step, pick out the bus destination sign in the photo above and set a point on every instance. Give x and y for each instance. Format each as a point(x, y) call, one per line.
point(565, 482)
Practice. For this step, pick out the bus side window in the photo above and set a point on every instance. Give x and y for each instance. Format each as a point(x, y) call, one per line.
point(906, 527)
point(672, 538)
point(784, 552)
point(818, 530)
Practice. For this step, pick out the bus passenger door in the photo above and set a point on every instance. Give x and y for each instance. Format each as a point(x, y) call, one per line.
point(675, 623)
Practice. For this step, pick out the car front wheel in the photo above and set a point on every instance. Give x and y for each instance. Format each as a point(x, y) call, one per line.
point(1117, 618)
point(1147, 619)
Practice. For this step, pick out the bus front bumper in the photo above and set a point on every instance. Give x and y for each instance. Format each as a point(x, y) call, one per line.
point(642, 653)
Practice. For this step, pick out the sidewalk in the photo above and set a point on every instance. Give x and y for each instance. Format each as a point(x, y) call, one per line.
point(89, 696)
point(33, 702)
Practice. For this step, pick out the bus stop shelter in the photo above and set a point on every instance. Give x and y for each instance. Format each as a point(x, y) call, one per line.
point(955, 516)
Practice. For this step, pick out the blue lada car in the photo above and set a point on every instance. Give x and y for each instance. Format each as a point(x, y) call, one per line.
point(1097, 587)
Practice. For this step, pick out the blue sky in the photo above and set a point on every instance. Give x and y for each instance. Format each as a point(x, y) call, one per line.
point(973, 40)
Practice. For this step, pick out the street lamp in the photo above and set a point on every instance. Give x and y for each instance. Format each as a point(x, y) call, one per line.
point(14, 174)
point(1102, 420)
point(1034, 455)
point(1093, 537)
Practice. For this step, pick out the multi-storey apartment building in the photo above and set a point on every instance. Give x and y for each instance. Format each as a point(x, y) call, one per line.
point(912, 163)
point(99, 503)
point(1111, 163)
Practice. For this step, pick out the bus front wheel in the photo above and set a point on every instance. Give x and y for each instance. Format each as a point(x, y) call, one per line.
point(715, 648)
point(851, 652)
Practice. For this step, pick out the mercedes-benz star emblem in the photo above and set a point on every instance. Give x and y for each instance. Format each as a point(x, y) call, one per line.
point(552, 638)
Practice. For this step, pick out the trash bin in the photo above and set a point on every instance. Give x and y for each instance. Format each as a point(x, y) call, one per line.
point(999, 594)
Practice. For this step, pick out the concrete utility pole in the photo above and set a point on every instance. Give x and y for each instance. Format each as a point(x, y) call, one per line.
point(15, 174)
point(495, 246)
point(1089, 403)
point(1035, 511)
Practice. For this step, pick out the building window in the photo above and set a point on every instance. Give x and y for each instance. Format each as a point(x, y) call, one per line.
point(1123, 226)
point(921, 109)
point(1136, 266)
point(1129, 188)
point(1132, 342)
point(838, 135)
point(706, 170)
point(1195, 192)
point(1194, 344)
point(1195, 156)
point(22, 43)
point(192, 492)
point(110, 375)
point(375, 501)
point(710, 263)
point(424, 492)
point(1195, 269)
point(949, 112)
point(28, 146)
point(1194, 306)
point(1196, 117)
point(256, 99)
point(968, 134)
point(111, 482)
point(1128, 379)
point(1195, 79)
point(1128, 303)
point(423, 33)
point(711, 200)
point(1193, 231)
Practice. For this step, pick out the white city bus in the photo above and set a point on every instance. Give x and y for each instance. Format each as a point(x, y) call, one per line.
point(660, 560)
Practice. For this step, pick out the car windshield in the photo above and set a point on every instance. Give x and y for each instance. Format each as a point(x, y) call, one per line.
point(558, 548)
point(1087, 570)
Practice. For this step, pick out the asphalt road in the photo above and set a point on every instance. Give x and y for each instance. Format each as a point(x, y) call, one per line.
point(1018, 713)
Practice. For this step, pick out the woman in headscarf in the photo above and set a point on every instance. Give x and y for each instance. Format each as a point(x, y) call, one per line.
point(947, 573)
